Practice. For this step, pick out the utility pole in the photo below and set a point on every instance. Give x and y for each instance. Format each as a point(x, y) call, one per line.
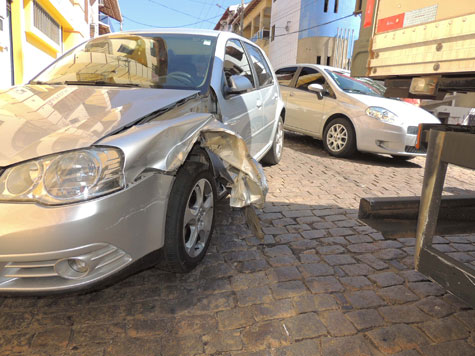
point(242, 17)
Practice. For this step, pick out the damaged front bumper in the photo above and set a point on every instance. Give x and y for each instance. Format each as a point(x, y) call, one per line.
point(52, 249)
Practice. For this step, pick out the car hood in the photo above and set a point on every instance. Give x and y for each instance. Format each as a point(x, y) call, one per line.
point(408, 113)
point(37, 120)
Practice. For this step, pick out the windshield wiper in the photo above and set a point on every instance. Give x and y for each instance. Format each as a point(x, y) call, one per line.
point(39, 82)
point(356, 91)
point(102, 83)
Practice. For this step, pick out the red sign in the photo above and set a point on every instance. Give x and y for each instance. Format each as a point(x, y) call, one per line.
point(368, 14)
point(390, 23)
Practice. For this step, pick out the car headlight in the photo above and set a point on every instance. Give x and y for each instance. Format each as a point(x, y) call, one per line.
point(64, 178)
point(382, 114)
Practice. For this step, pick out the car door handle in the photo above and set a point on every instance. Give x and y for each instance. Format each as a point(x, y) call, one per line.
point(259, 104)
point(275, 96)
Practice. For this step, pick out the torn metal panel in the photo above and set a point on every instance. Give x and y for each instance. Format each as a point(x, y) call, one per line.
point(175, 138)
point(249, 182)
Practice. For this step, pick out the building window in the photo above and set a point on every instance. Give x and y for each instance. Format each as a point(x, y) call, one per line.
point(329, 59)
point(325, 6)
point(335, 9)
point(45, 23)
point(319, 59)
point(272, 35)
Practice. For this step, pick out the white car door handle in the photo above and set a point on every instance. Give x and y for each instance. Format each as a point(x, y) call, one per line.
point(275, 97)
point(259, 104)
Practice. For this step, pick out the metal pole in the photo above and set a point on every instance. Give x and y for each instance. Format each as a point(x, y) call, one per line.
point(242, 17)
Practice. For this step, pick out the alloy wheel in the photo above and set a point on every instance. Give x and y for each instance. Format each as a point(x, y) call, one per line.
point(198, 217)
point(337, 137)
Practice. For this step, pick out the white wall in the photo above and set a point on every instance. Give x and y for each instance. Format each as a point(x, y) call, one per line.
point(35, 61)
point(283, 50)
point(5, 49)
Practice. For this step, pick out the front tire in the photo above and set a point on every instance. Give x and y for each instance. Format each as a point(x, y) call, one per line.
point(190, 218)
point(275, 153)
point(339, 138)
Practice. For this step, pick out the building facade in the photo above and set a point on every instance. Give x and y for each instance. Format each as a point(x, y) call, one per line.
point(299, 31)
point(313, 31)
point(284, 37)
point(6, 57)
point(256, 21)
point(36, 32)
point(328, 30)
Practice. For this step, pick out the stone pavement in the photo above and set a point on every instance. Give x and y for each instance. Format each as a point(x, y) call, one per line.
point(320, 283)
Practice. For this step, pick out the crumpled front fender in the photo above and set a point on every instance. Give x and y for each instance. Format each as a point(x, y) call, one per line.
point(165, 145)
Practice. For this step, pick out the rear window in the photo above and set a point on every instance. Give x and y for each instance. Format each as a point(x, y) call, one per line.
point(285, 75)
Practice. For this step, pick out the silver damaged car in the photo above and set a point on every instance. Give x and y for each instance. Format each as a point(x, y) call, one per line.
point(118, 152)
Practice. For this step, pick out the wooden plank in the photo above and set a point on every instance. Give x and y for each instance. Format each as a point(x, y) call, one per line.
point(459, 149)
point(454, 276)
point(397, 228)
point(432, 185)
point(426, 54)
point(446, 8)
point(452, 207)
point(458, 28)
point(456, 66)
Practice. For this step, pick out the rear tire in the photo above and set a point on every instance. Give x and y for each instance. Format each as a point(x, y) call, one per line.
point(339, 138)
point(190, 218)
point(275, 153)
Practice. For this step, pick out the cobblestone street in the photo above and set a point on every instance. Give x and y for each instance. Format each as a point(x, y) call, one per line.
point(320, 283)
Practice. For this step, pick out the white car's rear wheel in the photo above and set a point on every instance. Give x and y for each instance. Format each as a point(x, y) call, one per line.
point(339, 138)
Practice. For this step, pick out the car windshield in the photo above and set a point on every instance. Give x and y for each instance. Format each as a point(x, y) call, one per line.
point(175, 61)
point(348, 84)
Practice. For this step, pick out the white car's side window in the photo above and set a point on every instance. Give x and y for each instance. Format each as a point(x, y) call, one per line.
point(309, 76)
point(285, 75)
point(236, 62)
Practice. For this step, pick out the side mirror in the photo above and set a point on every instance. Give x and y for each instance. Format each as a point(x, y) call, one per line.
point(238, 84)
point(317, 88)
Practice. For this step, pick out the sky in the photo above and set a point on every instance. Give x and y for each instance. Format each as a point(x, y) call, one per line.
point(145, 14)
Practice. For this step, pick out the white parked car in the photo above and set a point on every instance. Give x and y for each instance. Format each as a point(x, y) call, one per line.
point(119, 150)
point(349, 114)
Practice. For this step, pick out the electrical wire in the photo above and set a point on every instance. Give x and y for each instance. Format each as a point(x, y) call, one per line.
point(315, 26)
point(155, 26)
point(209, 8)
point(309, 2)
point(178, 11)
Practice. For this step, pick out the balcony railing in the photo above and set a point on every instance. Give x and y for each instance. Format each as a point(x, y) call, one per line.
point(261, 35)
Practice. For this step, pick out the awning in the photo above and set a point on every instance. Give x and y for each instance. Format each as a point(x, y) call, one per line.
point(111, 8)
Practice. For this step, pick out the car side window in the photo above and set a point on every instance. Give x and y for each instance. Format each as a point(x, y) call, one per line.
point(236, 62)
point(264, 75)
point(285, 75)
point(309, 76)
